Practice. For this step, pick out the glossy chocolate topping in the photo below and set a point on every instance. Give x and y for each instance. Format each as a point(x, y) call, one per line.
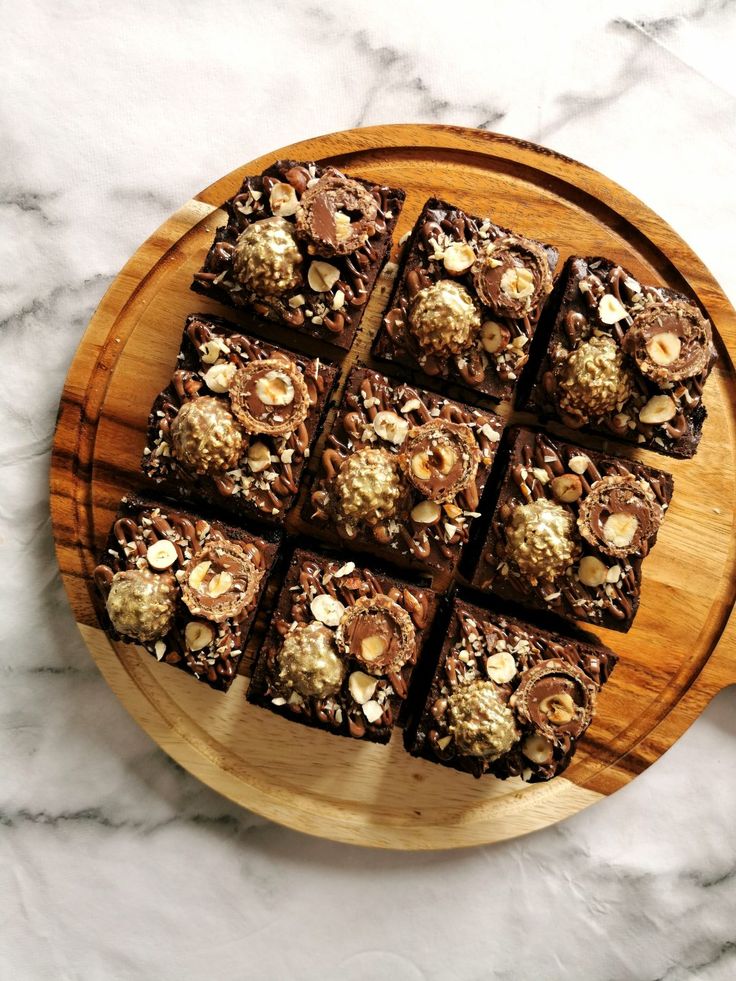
point(220, 581)
point(619, 515)
point(336, 215)
point(378, 633)
point(269, 396)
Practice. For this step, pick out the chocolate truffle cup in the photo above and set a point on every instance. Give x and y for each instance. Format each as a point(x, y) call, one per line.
point(313, 265)
point(342, 647)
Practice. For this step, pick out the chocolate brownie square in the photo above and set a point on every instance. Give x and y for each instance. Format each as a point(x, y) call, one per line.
point(622, 359)
point(466, 301)
point(303, 245)
point(571, 528)
point(342, 647)
point(237, 423)
point(184, 588)
point(402, 471)
point(507, 698)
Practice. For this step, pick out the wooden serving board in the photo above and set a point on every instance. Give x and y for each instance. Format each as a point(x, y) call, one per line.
point(682, 649)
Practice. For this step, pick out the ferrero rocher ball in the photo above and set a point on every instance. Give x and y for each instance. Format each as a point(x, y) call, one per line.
point(444, 318)
point(267, 259)
point(141, 603)
point(369, 487)
point(206, 437)
point(480, 721)
point(308, 662)
point(594, 379)
point(539, 539)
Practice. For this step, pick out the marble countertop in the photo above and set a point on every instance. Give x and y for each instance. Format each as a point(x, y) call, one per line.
point(115, 864)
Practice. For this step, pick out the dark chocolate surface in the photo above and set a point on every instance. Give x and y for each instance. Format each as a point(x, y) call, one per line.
point(575, 317)
point(494, 374)
point(208, 343)
point(332, 315)
point(361, 422)
point(311, 575)
point(138, 525)
point(523, 665)
point(532, 463)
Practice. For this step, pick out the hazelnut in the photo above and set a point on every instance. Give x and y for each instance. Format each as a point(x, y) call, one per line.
point(619, 529)
point(579, 463)
point(619, 515)
point(362, 686)
point(480, 721)
point(205, 436)
point(494, 336)
point(258, 457)
point(458, 258)
point(610, 309)
point(391, 427)
point(592, 571)
point(267, 260)
point(567, 487)
point(558, 708)
point(444, 318)
point(322, 276)
point(308, 662)
point(664, 348)
point(659, 409)
point(142, 604)
point(372, 711)
point(426, 513)
point(283, 200)
point(539, 539)
point(161, 554)
point(501, 667)
point(327, 609)
point(219, 377)
point(275, 388)
point(198, 635)
point(537, 748)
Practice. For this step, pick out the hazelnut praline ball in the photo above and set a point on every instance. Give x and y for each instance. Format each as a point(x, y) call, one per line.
point(594, 379)
point(267, 259)
point(538, 539)
point(444, 318)
point(308, 662)
point(141, 603)
point(206, 437)
point(369, 487)
point(481, 723)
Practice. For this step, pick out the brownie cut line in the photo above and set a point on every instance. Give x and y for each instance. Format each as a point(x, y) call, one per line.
point(236, 425)
point(466, 301)
point(303, 246)
point(342, 646)
point(571, 528)
point(185, 588)
point(622, 359)
point(507, 698)
point(402, 471)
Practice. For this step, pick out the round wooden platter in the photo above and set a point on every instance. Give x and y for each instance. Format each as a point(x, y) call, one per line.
point(682, 649)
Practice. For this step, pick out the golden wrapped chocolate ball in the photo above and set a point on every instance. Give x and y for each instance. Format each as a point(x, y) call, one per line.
point(206, 437)
point(267, 260)
point(369, 488)
point(594, 380)
point(308, 662)
point(141, 604)
point(481, 723)
point(539, 539)
point(444, 318)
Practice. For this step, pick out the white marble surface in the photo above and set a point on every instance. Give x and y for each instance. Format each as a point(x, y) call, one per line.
point(114, 864)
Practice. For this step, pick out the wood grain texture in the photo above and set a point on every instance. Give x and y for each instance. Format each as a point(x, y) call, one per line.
point(682, 649)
